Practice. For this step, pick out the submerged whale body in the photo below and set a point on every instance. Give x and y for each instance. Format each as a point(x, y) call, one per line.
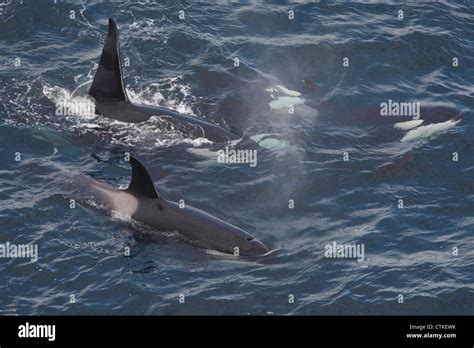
point(141, 202)
point(111, 99)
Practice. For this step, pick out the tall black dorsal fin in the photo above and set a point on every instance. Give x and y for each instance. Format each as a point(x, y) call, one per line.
point(141, 183)
point(108, 82)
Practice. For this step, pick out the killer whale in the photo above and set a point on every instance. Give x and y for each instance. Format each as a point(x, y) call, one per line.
point(141, 202)
point(111, 99)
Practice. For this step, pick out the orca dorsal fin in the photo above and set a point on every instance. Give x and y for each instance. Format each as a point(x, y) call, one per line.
point(141, 183)
point(108, 81)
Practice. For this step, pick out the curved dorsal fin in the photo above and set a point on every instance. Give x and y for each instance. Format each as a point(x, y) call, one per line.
point(108, 82)
point(141, 183)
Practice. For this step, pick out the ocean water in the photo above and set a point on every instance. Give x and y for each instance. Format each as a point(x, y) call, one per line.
point(347, 169)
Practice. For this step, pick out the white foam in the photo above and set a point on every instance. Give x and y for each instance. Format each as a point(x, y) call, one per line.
point(151, 95)
point(197, 142)
point(116, 215)
point(149, 133)
point(429, 131)
point(61, 96)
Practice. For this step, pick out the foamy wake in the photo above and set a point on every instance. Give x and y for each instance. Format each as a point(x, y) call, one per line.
point(152, 95)
point(149, 133)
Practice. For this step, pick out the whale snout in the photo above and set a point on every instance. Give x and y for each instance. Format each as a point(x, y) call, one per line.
point(254, 247)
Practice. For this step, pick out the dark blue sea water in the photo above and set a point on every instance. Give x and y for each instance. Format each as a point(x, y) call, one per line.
point(188, 65)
